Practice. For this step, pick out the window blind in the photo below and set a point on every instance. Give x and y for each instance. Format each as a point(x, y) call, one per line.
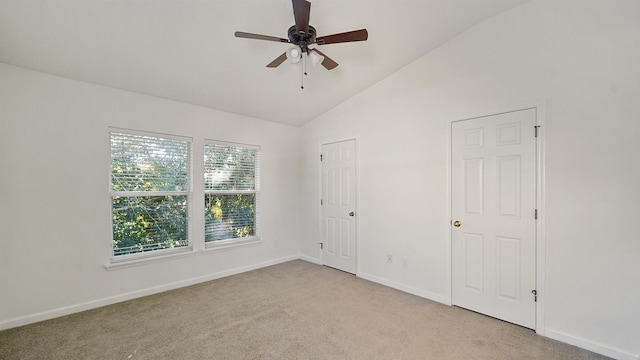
point(146, 163)
point(150, 191)
point(230, 167)
point(232, 182)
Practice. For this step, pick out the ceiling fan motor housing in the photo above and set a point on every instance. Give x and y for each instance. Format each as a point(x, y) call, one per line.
point(302, 40)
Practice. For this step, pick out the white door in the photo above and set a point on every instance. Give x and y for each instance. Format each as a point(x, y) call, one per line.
point(493, 232)
point(339, 205)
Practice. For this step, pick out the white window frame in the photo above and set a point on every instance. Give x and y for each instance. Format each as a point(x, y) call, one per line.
point(160, 253)
point(238, 241)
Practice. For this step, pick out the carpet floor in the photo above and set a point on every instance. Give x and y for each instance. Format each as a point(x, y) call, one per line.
point(295, 310)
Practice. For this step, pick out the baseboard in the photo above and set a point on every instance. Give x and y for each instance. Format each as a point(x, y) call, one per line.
point(590, 345)
point(310, 259)
point(392, 284)
point(550, 333)
point(71, 309)
point(408, 289)
point(67, 310)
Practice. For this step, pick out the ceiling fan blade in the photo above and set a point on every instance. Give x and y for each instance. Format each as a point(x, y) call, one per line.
point(349, 36)
point(279, 60)
point(246, 35)
point(301, 10)
point(327, 62)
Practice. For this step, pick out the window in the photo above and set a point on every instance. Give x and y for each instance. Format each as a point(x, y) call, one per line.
point(231, 189)
point(150, 193)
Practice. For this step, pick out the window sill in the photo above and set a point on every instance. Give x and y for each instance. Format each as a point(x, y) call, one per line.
point(151, 258)
point(221, 245)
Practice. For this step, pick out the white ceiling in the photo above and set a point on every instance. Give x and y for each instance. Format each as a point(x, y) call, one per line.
point(185, 50)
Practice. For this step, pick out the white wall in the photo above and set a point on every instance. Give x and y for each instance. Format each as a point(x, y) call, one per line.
point(55, 204)
point(579, 58)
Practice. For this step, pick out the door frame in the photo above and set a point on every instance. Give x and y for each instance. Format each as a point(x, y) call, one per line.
point(357, 197)
point(540, 237)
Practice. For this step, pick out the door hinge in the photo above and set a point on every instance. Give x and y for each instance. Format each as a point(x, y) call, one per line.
point(321, 246)
point(320, 157)
point(535, 295)
point(321, 202)
point(535, 214)
point(536, 130)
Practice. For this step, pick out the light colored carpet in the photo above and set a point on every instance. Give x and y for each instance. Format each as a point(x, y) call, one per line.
point(295, 310)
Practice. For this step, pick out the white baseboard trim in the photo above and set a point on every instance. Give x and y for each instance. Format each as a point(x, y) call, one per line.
point(310, 259)
point(408, 289)
point(590, 345)
point(67, 310)
point(71, 309)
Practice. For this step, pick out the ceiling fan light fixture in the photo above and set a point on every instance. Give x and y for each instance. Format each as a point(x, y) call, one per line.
point(294, 54)
point(315, 58)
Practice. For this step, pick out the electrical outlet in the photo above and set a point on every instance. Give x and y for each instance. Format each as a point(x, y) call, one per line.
point(389, 259)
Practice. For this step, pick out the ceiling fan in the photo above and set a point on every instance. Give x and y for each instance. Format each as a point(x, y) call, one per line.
point(302, 35)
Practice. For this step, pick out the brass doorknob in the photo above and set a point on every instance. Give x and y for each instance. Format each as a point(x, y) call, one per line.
point(352, 214)
point(456, 223)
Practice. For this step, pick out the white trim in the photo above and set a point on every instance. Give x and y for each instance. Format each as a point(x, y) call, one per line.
point(320, 248)
point(118, 130)
point(306, 258)
point(346, 138)
point(219, 245)
point(358, 212)
point(71, 309)
point(404, 288)
point(541, 239)
point(148, 193)
point(448, 254)
point(539, 106)
point(230, 143)
point(591, 346)
point(147, 257)
point(230, 192)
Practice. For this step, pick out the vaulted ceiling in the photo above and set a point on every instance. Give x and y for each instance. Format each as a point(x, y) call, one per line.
point(185, 50)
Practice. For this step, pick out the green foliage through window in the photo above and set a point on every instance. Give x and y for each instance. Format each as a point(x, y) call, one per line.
point(231, 191)
point(150, 193)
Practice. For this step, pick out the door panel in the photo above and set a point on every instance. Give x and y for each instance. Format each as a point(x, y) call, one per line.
point(473, 186)
point(508, 267)
point(508, 190)
point(473, 262)
point(493, 198)
point(338, 205)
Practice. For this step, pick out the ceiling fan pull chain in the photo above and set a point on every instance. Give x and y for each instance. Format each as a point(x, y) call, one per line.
point(304, 63)
point(304, 71)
